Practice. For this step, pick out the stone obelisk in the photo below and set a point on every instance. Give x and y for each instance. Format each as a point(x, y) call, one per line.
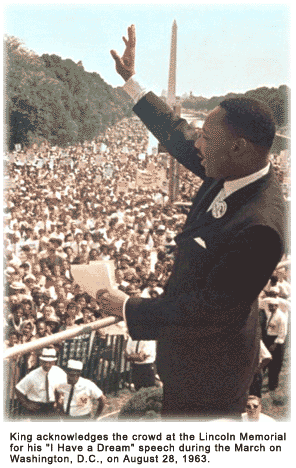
point(171, 101)
point(171, 97)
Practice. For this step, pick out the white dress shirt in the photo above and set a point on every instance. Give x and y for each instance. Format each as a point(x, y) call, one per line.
point(262, 418)
point(34, 387)
point(85, 394)
point(284, 305)
point(277, 325)
point(147, 347)
point(231, 186)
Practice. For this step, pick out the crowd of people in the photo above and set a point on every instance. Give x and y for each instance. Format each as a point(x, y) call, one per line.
point(66, 207)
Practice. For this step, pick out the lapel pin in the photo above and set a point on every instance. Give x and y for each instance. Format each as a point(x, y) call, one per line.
point(219, 209)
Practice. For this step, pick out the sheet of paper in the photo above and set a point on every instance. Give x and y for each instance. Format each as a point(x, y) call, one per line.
point(97, 275)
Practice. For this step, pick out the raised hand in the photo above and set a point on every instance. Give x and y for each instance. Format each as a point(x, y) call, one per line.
point(125, 65)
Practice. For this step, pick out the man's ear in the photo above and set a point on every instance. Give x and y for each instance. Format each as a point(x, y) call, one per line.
point(239, 145)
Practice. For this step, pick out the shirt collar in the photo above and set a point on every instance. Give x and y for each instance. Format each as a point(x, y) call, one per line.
point(231, 186)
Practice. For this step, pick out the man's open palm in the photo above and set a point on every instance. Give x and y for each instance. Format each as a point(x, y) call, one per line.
point(125, 65)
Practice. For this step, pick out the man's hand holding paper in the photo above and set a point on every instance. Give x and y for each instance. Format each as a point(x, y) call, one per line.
point(111, 301)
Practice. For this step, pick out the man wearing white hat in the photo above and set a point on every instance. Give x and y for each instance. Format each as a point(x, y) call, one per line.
point(79, 398)
point(36, 391)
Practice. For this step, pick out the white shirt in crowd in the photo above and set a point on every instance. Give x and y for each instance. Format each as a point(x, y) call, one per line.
point(262, 418)
point(33, 385)
point(85, 395)
point(277, 326)
point(147, 347)
point(284, 288)
point(284, 305)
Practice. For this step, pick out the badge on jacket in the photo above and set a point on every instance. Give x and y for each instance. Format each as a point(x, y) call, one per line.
point(219, 209)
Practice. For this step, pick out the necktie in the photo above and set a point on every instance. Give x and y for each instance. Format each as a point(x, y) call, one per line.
point(268, 321)
point(47, 387)
point(70, 399)
point(137, 347)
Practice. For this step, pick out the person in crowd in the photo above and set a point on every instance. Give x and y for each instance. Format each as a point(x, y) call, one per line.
point(79, 398)
point(87, 316)
point(274, 340)
point(273, 292)
point(52, 263)
point(27, 334)
point(282, 283)
point(16, 318)
point(264, 359)
point(12, 339)
point(29, 310)
point(66, 271)
point(152, 287)
point(76, 245)
point(48, 312)
point(253, 411)
point(18, 292)
point(94, 255)
point(42, 330)
point(70, 255)
point(60, 309)
point(40, 279)
point(141, 355)
point(53, 324)
point(38, 301)
point(36, 391)
point(70, 319)
point(83, 256)
point(207, 314)
point(27, 331)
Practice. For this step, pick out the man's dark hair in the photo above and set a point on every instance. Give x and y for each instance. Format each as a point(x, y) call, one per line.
point(250, 119)
point(71, 304)
point(56, 241)
point(26, 248)
point(16, 307)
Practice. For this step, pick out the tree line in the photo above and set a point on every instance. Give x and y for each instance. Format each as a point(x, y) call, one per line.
point(278, 99)
point(49, 98)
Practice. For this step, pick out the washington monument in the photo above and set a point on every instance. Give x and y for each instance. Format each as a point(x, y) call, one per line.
point(171, 99)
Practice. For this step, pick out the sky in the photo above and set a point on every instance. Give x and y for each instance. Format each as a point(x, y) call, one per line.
point(220, 48)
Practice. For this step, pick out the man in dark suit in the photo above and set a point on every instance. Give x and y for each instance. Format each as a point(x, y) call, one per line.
point(206, 322)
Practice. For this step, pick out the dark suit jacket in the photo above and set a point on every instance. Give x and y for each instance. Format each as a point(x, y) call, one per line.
point(206, 322)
